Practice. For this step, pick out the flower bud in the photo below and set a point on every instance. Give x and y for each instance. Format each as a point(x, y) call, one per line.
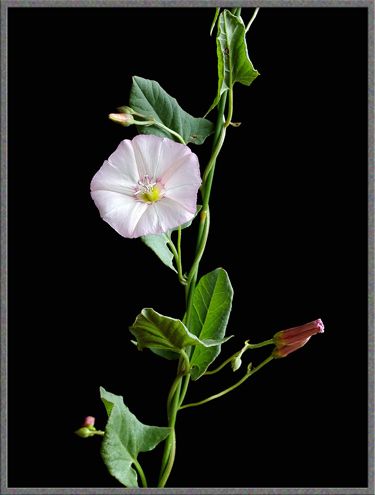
point(236, 363)
point(124, 119)
point(85, 432)
point(287, 341)
point(126, 109)
point(89, 421)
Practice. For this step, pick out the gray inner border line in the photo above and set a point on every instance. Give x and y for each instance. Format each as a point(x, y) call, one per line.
point(5, 4)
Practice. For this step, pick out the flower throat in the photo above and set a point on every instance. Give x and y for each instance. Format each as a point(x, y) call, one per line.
point(149, 191)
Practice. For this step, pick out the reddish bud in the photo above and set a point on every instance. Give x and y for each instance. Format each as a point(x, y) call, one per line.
point(89, 421)
point(287, 341)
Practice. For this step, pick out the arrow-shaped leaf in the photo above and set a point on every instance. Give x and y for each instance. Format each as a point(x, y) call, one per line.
point(148, 98)
point(124, 438)
point(159, 244)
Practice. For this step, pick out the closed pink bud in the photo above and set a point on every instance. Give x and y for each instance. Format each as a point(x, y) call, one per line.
point(287, 341)
point(89, 421)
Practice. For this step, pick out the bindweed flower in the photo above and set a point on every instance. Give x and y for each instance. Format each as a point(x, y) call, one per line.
point(149, 185)
point(287, 341)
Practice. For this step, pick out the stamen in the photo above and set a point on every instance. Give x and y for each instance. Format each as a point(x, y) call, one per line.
point(146, 183)
point(149, 190)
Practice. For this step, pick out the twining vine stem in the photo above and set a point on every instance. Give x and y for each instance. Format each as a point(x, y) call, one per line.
point(178, 390)
point(180, 385)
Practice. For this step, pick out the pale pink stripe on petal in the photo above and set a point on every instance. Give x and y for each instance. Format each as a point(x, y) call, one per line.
point(109, 178)
point(124, 160)
point(146, 151)
point(125, 218)
point(172, 214)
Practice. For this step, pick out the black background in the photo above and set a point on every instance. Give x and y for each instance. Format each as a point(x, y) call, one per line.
point(289, 224)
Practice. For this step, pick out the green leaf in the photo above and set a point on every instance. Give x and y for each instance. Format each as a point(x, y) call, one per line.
point(234, 64)
point(170, 355)
point(125, 437)
point(155, 331)
point(159, 244)
point(212, 303)
point(148, 98)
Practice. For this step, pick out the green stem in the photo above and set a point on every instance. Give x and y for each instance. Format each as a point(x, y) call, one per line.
point(184, 388)
point(211, 165)
point(172, 393)
point(252, 19)
point(173, 403)
point(140, 472)
point(162, 126)
point(179, 235)
point(227, 390)
point(144, 122)
point(171, 458)
point(175, 396)
point(230, 107)
point(170, 443)
point(219, 368)
point(217, 12)
point(192, 277)
point(151, 121)
point(261, 344)
point(177, 256)
point(98, 432)
point(239, 354)
point(204, 224)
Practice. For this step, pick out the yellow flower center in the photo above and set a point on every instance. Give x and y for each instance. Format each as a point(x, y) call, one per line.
point(148, 191)
point(151, 195)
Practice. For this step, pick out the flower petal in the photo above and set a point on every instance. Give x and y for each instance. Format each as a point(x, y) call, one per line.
point(124, 160)
point(121, 212)
point(178, 165)
point(185, 196)
point(149, 222)
point(171, 154)
point(147, 153)
point(172, 214)
point(110, 178)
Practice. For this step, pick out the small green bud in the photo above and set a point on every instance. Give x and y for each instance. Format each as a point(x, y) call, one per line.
point(236, 363)
point(125, 109)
